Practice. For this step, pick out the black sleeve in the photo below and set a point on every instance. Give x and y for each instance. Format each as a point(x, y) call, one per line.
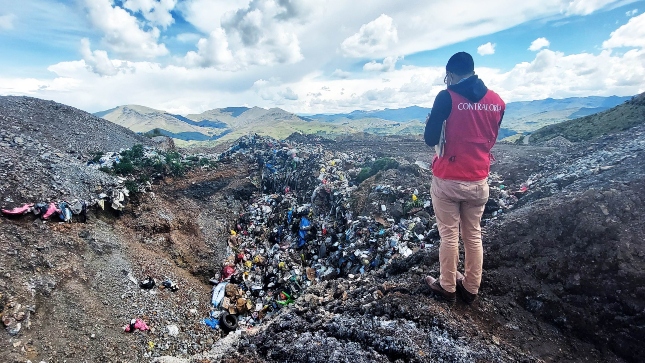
point(501, 118)
point(440, 112)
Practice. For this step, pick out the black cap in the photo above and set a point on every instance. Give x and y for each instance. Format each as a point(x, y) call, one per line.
point(460, 63)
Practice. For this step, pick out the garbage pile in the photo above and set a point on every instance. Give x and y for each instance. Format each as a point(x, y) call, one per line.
point(116, 197)
point(301, 230)
point(69, 211)
point(501, 196)
point(109, 159)
point(303, 227)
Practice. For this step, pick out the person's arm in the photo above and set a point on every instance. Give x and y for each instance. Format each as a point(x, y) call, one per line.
point(500, 119)
point(440, 112)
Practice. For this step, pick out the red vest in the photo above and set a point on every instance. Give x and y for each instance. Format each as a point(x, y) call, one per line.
point(471, 131)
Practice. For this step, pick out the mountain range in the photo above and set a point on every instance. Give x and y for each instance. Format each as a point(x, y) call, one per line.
point(231, 122)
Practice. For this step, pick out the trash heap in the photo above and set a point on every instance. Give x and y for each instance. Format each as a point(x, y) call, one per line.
point(501, 196)
point(110, 159)
point(152, 162)
point(74, 210)
point(301, 230)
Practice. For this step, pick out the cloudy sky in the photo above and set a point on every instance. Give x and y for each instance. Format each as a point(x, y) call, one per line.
point(313, 56)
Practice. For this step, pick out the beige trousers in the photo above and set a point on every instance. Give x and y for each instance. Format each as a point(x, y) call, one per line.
point(459, 205)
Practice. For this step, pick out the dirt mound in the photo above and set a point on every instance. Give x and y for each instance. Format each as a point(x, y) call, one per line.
point(372, 320)
point(578, 263)
point(44, 147)
point(63, 127)
point(557, 141)
point(572, 253)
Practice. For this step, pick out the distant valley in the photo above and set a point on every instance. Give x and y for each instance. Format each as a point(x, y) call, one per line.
point(229, 123)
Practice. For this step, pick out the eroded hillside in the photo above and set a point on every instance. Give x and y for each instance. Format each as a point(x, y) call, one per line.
point(563, 263)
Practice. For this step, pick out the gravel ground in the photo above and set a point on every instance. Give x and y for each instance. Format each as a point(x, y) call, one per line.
point(44, 147)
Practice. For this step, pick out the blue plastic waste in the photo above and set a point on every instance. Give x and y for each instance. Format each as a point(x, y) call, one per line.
point(65, 213)
point(304, 225)
point(212, 322)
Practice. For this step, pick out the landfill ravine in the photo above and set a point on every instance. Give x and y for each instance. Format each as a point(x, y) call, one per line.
point(310, 250)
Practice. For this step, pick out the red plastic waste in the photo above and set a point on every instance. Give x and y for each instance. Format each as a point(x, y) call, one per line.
point(228, 271)
point(51, 210)
point(136, 324)
point(18, 210)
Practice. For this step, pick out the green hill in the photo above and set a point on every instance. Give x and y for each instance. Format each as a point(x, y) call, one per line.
point(619, 118)
point(226, 124)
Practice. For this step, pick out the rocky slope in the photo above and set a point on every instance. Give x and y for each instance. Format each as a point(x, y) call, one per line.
point(44, 147)
point(575, 246)
point(563, 262)
point(67, 289)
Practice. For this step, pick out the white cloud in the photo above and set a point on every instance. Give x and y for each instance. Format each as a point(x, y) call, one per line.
point(272, 91)
point(98, 60)
point(388, 65)
point(545, 60)
point(147, 83)
point(586, 7)
point(549, 74)
point(539, 43)
point(320, 27)
point(372, 38)
point(486, 49)
point(288, 94)
point(554, 74)
point(206, 15)
point(6, 21)
point(259, 38)
point(241, 35)
point(122, 33)
point(631, 34)
point(385, 95)
point(339, 73)
point(255, 35)
point(631, 12)
point(157, 12)
point(260, 83)
point(211, 52)
point(20, 86)
point(424, 82)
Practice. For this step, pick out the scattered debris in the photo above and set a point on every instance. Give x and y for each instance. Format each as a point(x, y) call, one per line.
point(168, 284)
point(135, 324)
point(173, 330)
point(147, 284)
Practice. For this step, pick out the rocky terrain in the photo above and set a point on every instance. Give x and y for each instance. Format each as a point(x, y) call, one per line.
point(563, 279)
point(44, 147)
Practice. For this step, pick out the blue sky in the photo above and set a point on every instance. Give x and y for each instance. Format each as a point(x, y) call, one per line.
point(308, 56)
point(571, 35)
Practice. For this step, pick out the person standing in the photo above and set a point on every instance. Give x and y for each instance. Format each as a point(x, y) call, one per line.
point(462, 126)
